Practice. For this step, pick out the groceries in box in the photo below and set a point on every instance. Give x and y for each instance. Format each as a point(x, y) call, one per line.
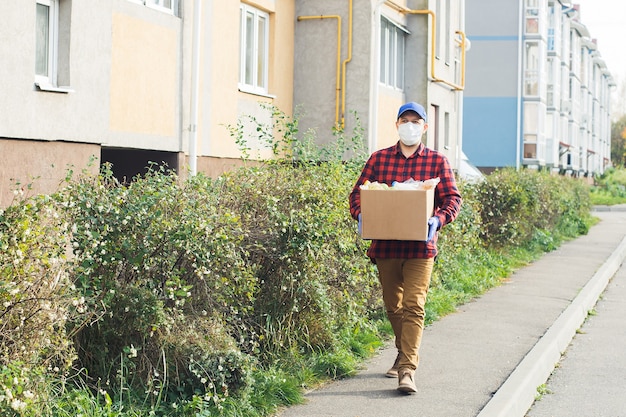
point(399, 212)
point(409, 184)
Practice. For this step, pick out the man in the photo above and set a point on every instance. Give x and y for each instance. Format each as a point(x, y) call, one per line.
point(405, 267)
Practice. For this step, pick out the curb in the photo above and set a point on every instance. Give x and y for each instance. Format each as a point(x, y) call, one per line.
point(517, 394)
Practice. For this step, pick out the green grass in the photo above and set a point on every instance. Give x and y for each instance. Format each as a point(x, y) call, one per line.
point(610, 188)
point(605, 198)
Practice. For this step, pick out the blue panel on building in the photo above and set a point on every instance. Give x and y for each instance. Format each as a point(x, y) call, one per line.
point(490, 131)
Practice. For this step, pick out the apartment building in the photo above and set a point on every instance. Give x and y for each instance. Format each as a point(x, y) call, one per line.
point(538, 91)
point(371, 57)
point(132, 82)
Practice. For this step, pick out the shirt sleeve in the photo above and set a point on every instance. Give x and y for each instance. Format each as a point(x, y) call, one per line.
point(367, 174)
point(447, 196)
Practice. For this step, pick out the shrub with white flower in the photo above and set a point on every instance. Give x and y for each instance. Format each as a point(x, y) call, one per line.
point(35, 287)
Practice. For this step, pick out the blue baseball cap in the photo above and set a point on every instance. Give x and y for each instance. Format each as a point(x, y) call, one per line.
point(413, 106)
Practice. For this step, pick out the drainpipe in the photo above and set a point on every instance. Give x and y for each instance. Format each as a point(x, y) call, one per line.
point(520, 80)
point(459, 94)
point(345, 62)
point(195, 73)
point(374, 77)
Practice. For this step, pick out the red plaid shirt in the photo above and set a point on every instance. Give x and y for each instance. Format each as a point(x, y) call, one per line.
point(389, 165)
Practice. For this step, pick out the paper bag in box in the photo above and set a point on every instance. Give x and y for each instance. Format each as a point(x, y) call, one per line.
point(396, 214)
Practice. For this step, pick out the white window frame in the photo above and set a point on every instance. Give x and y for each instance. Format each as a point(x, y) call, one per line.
point(532, 21)
point(258, 62)
point(439, 28)
point(161, 5)
point(532, 55)
point(392, 51)
point(49, 79)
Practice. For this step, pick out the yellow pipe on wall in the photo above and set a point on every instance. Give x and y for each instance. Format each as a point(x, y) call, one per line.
point(433, 44)
point(338, 69)
point(462, 45)
point(345, 62)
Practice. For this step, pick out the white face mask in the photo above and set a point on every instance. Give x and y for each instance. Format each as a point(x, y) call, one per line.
point(410, 133)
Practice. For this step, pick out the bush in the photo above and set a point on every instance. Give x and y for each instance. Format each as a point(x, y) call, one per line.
point(312, 277)
point(154, 258)
point(518, 205)
point(226, 296)
point(38, 299)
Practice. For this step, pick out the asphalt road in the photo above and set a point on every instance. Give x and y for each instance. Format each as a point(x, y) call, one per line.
point(590, 379)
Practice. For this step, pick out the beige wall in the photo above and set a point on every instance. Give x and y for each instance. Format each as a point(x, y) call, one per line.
point(221, 102)
point(282, 53)
point(220, 75)
point(214, 167)
point(388, 104)
point(39, 167)
point(143, 92)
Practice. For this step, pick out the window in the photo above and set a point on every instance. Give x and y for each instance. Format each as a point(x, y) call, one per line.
point(550, 101)
point(167, 5)
point(584, 63)
point(446, 132)
point(554, 27)
point(254, 50)
point(46, 35)
point(170, 6)
point(439, 28)
point(531, 128)
point(433, 126)
point(391, 54)
point(530, 150)
point(532, 16)
point(531, 69)
point(53, 29)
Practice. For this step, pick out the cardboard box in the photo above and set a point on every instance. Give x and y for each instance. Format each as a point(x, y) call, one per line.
point(396, 214)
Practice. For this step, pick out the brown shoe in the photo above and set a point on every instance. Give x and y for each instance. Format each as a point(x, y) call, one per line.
point(405, 381)
point(393, 371)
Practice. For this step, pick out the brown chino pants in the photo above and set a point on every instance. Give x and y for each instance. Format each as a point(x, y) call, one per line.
point(405, 286)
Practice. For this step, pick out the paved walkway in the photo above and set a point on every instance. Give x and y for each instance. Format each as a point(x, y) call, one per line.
point(488, 358)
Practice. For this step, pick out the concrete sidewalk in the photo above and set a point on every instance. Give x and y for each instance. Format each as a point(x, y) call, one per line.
point(488, 358)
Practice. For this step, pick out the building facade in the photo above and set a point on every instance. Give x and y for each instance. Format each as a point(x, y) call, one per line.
point(380, 55)
point(538, 90)
point(132, 82)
